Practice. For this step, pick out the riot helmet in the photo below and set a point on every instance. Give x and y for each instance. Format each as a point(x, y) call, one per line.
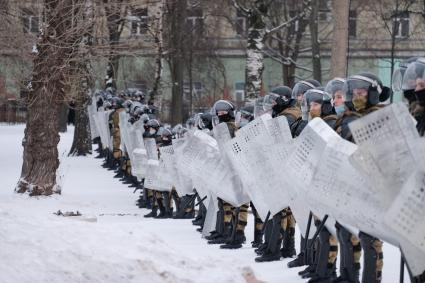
point(301, 87)
point(224, 110)
point(365, 90)
point(414, 79)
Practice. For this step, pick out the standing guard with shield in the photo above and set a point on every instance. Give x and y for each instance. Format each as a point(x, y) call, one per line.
point(232, 237)
point(363, 93)
point(282, 226)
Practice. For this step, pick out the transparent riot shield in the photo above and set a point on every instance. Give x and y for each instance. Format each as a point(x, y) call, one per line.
point(202, 158)
point(253, 156)
point(169, 174)
point(184, 184)
point(387, 138)
point(91, 111)
point(211, 217)
point(406, 214)
point(305, 155)
point(151, 148)
point(415, 258)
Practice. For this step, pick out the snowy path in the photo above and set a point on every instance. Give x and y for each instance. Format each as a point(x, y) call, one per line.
point(37, 246)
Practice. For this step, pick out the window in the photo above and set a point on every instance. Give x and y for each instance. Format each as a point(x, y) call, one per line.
point(401, 25)
point(194, 21)
point(197, 89)
point(241, 27)
point(31, 22)
point(352, 23)
point(138, 21)
point(324, 11)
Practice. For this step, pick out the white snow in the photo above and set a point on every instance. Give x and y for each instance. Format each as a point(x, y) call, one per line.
point(38, 246)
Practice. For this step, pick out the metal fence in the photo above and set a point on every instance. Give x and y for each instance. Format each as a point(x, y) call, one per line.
point(11, 112)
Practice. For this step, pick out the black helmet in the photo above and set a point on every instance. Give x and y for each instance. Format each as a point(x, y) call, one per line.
point(224, 107)
point(302, 86)
point(320, 96)
point(205, 121)
point(153, 123)
point(224, 110)
point(166, 136)
point(376, 91)
point(117, 102)
point(278, 99)
point(247, 112)
point(283, 91)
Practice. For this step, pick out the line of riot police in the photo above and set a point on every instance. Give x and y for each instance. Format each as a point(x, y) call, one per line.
point(338, 161)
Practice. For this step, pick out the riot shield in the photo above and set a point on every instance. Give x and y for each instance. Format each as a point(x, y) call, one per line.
point(151, 148)
point(253, 157)
point(202, 158)
point(305, 155)
point(406, 214)
point(91, 111)
point(415, 258)
point(184, 181)
point(211, 217)
point(387, 138)
point(169, 174)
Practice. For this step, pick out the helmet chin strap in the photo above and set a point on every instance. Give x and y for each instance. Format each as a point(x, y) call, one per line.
point(374, 83)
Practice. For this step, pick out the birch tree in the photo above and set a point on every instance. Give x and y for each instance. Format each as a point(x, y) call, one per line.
point(258, 31)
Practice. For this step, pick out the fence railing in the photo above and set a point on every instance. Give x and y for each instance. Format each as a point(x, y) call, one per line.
point(12, 113)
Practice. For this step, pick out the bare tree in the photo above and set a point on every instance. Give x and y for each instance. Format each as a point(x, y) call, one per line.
point(175, 11)
point(258, 31)
point(285, 46)
point(315, 44)
point(55, 46)
point(81, 84)
point(116, 14)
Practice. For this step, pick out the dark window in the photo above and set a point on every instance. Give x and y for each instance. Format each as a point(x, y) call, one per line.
point(352, 24)
point(240, 24)
point(195, 21)
point(30, 22)
point(401, 25)
point(139, 21)
point(324, 10)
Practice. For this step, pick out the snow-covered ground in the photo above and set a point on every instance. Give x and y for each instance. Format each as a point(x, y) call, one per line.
point(38, 246)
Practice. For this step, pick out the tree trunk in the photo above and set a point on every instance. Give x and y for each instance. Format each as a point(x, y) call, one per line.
point(340, 13)
point(158, 36)
point(177, 70)
point(315, 45)
point(63, 117)
point(81, 144)
point(254, 54)
point(176, 22)
point(41, 161)
point(38, 176)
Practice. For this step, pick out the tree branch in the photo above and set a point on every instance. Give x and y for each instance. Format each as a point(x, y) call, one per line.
point(240, 8)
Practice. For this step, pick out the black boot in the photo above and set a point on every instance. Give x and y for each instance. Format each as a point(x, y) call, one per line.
point(288, 249)
point(141, 202)
point(221, 238)
point(119, 174)
point(271, 253)
point(349, 270)
point(162, 212)
point(314, 252)
point(298, 261)
point(236, 242)
point(267, 234)
point(152, 214)
point(258, 238)
point(370, 258)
